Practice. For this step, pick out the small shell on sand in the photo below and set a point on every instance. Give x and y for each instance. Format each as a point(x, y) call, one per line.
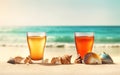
point(55, 60)
point(20, 60)
point(16, 60)
point(106, 58)
point(92, 58)
point(66, 59)
point(78, 60)
point(28, 60)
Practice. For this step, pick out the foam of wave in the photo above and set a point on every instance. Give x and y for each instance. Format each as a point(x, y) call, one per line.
point(59, 45)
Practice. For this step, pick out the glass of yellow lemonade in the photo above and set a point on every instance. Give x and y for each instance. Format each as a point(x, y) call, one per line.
point(36, 43)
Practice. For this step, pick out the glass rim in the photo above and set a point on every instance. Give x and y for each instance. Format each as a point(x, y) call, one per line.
point(84, 33)
point(36, 33)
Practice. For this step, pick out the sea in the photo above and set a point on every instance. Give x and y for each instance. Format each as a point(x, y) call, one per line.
point(60, 34)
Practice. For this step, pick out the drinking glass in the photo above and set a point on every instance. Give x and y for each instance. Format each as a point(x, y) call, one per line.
point(84, 42)
point(36, 43)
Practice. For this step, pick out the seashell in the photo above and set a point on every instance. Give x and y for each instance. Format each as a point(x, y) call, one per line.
point(11, 60)
point(92, 58)
point(78, 60)
point(16, 60)
point(55, 60)
point(66, 59)
point(28, 60)
point(106, 58)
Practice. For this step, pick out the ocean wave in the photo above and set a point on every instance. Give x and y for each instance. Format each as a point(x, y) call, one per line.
point(61, 39)
point(63, 34)
point(67, 39)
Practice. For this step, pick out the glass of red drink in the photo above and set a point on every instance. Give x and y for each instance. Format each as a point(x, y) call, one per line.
point(84, 42)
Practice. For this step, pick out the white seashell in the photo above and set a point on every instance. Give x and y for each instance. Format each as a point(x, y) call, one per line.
point(92, 58)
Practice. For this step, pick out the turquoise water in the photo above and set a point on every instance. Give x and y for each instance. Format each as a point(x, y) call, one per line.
point(63, 34)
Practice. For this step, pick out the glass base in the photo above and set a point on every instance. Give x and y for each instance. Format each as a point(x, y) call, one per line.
point(37, 61)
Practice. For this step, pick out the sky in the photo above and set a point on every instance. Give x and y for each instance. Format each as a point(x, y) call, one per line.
point(59, 12)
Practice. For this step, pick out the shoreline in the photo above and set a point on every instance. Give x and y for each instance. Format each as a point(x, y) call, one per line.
point(56, 49)
point(60, 45)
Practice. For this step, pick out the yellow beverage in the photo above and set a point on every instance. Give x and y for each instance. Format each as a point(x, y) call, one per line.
point(36, 46)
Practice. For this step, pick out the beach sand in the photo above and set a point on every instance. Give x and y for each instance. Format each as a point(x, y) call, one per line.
point(7, 52)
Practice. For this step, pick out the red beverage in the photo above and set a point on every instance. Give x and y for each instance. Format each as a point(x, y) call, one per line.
point(84, 44)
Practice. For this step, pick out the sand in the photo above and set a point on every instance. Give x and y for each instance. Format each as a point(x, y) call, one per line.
point(8, 52)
